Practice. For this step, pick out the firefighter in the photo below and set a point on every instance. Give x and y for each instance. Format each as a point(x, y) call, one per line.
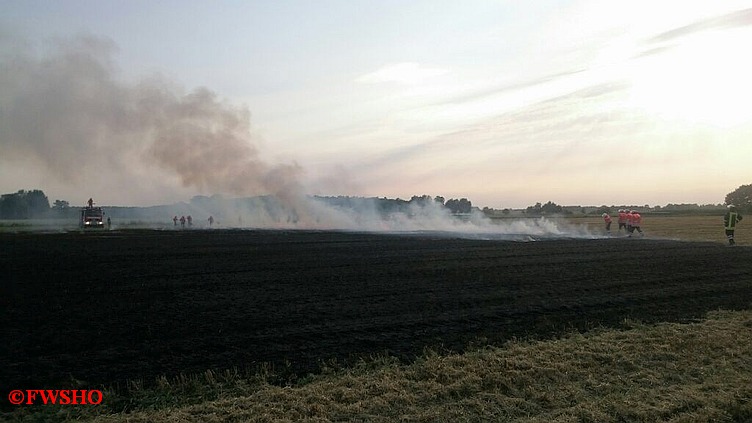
point(628, 220)
point(608, 220)
point(636, 222)
point(730, 220)
point(623, 220)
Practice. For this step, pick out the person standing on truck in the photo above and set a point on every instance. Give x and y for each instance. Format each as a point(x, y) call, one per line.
point(91, 203)
point(730, 220)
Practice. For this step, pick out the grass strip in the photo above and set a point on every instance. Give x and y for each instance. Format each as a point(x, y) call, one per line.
point(696, 372)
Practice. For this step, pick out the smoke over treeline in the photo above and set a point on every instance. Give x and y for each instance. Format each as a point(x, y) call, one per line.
point(66, 115)
point(65, 112)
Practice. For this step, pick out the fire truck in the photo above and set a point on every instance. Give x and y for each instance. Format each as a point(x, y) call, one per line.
point(91, 217)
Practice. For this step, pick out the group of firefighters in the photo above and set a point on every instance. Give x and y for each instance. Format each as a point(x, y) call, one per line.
point(631, 221)
point(188, 219)
point(182, 220)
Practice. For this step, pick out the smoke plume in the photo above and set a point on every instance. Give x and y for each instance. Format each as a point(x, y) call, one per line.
point(67, 111)
point(66, 116)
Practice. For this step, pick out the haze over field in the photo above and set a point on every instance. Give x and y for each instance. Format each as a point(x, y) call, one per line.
point(504, 103)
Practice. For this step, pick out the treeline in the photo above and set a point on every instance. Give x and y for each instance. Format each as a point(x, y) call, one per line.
point(24, 205)
point(35, 204)
point(552, 209)
point(394, 205)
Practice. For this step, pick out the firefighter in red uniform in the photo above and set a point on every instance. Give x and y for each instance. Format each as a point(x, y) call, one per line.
point(628, 217)
point(636, 223)
point(623, 220)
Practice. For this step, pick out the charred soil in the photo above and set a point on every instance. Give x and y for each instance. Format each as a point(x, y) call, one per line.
point(102, 308)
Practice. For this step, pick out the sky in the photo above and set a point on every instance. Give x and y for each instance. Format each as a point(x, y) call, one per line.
point(506, 103)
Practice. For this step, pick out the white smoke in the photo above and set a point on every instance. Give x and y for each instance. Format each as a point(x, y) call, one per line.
point(370, 215)
point(67, 115)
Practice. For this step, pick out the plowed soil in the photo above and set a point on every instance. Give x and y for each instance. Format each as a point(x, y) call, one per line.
point(112, 306)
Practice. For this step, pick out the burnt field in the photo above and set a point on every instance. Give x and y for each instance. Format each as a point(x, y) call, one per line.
point(102, 308)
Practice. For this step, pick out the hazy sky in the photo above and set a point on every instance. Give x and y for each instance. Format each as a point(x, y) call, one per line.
point(506, 103)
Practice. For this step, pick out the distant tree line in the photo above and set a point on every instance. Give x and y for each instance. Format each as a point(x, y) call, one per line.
point(24, 205)
point(546, 209)
point(34, 204)
point(395, 205)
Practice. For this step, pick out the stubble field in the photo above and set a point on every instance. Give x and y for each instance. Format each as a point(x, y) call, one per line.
point(98, 309)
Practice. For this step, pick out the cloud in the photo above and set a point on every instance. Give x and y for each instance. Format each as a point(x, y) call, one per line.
point(739, 18)
point(506, 88)
point(402, 73)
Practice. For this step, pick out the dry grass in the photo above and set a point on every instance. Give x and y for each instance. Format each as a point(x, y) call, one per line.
point(699, 372)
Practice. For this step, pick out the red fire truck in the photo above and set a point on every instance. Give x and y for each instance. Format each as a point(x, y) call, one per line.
point(91, 217)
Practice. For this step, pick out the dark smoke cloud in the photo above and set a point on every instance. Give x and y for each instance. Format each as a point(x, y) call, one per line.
point(66, 110)
point(208, 144)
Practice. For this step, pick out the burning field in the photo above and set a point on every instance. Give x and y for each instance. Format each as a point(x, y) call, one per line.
point(94, 309)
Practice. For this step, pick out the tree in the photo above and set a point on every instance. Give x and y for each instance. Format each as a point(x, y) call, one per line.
point(741, 198)
point(551, 208)
point(536, 209)
point(422, 200)
point(548, 208)
point(462, 205)
point(60, 205)
point(38, 202)
point(24, 205)
point(13, 206)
